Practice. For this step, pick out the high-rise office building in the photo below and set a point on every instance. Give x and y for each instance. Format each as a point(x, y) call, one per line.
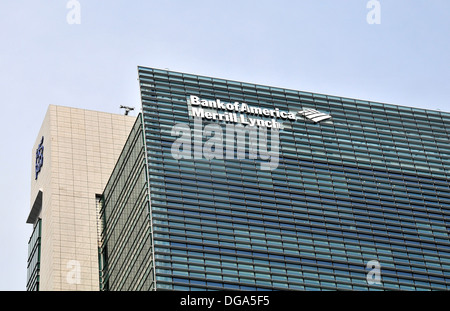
point(72, 159)
point(231, 185)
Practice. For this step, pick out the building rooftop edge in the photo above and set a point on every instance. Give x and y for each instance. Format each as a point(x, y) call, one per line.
point(92, 110)
point(294, 90)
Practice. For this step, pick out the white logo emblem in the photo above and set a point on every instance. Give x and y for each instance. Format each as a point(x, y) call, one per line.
point(314, 115)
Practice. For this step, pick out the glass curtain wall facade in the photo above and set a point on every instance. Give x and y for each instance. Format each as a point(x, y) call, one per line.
point(367, 188)
point(125, 252)
point(34, 258)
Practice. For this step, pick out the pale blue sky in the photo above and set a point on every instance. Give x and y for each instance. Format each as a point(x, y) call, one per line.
point(323, 46)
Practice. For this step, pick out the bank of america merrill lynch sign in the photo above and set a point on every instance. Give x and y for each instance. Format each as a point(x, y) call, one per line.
point(246, 119)
point(239, 113)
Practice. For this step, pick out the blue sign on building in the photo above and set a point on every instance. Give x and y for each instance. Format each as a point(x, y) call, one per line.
point(39, 157)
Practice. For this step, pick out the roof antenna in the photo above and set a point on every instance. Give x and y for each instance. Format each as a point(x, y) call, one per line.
point(127, 109)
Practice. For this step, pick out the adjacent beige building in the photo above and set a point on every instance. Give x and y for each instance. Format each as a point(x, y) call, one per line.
point(80, 150)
